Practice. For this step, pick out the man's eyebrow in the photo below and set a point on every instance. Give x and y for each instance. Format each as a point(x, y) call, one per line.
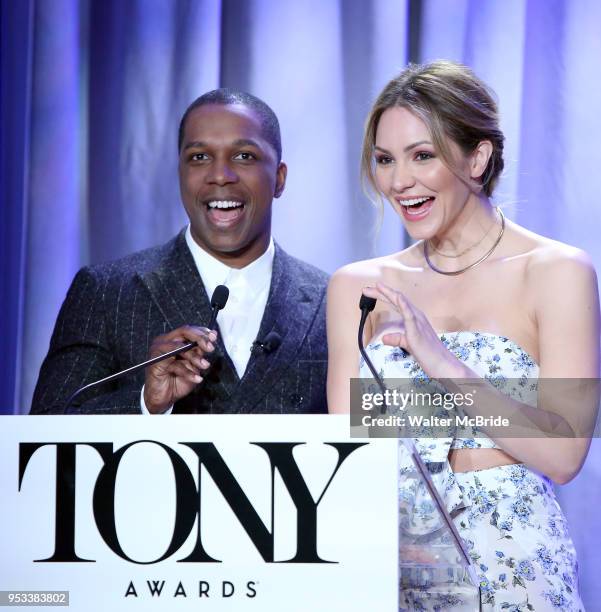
point(240, 142)
point(246, 142)
point(195, 144)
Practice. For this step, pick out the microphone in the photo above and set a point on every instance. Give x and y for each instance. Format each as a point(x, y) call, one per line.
point(218, 302)
point(269, 344)
point(367, 304)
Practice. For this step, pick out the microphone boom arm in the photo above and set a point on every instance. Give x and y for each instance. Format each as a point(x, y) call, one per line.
point(139, 366)
point(218, 302)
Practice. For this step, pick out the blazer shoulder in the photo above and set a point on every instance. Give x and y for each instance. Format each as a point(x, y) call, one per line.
point(138, 263)
point(302, 272)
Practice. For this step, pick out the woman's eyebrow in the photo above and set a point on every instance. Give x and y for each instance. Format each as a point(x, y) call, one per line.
point(407, 148)
point(416, 144)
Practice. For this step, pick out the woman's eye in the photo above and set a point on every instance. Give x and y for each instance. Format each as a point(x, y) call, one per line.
point(423, 156)
point(383, 160)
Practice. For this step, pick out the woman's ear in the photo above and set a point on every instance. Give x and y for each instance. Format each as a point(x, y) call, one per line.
point(479, 159)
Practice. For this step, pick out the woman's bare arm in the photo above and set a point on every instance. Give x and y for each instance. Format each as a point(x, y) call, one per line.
point(555, 436)
point(343, 315)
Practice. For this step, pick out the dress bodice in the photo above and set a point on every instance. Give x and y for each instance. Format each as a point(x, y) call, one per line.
point(497, 359)
point(507, 516)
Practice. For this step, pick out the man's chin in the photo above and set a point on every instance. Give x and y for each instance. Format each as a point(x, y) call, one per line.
point(219, 242)
point(225, 249)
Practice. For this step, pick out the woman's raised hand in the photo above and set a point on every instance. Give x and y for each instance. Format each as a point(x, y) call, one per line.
point(417, 337)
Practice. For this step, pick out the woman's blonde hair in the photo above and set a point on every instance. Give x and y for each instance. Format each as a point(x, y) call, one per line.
point(453, 103)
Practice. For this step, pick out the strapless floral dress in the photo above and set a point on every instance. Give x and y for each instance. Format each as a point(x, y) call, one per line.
point(508, 517)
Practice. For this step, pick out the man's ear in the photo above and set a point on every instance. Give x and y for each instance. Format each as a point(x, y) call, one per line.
point(280, 179)
point(479, 159)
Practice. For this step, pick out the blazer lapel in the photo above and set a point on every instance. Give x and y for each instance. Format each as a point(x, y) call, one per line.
point(289, 312)
point(180, 295)
point(176, 287)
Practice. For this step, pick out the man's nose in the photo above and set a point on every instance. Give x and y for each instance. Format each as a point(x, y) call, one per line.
point(221, 173)
point(402, 178)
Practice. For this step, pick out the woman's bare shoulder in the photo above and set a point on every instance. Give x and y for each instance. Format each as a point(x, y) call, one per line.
point(370, 271)
point(551, 260)
point(543, 251)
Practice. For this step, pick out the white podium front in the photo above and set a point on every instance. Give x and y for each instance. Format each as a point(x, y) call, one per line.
point(215, 513)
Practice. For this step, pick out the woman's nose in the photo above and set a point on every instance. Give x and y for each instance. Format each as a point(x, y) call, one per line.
point(402, 178)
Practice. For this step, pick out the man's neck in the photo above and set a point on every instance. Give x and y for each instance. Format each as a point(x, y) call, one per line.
point(236, 259)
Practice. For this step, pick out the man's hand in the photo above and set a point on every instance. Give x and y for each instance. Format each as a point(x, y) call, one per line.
point(175, 377)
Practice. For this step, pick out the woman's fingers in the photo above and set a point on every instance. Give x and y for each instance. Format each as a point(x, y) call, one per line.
point(395, 339)
point(388, 295)
point(373, 292)
point(392, 295)
point(411, 315)
point(400, 302)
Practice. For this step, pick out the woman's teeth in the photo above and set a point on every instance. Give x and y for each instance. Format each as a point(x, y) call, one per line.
point(414, 201)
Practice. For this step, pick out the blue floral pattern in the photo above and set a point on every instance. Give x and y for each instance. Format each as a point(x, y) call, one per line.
point(508, 517)
point(517, 535)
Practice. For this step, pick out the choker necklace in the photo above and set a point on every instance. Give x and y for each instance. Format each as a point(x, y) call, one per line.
point(469, 248)
point(472, 265)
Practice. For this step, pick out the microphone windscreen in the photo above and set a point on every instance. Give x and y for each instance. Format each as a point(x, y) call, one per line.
point(367, 303)
point(220, 296)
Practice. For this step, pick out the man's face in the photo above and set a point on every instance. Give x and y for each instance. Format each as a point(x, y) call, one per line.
point(229, 175)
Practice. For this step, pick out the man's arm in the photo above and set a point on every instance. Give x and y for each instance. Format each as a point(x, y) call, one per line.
point(80, 353)
point(97, 334)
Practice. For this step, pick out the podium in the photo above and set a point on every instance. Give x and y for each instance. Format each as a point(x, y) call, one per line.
point(218, 513)
point(244, 512)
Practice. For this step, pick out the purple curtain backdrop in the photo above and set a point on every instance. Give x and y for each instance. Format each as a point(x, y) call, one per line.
point(92, 93)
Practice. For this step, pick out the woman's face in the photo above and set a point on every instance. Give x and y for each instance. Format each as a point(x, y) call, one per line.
point(421, 189)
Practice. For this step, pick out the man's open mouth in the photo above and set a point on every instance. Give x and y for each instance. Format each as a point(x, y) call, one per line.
point(224, 212)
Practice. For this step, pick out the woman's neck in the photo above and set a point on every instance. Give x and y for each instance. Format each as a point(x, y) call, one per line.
point(472, 232)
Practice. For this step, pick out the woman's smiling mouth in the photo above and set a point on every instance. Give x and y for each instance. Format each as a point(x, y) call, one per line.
point(415, 209)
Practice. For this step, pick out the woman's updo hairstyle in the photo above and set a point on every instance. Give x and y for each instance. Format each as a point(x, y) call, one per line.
point(455, 105)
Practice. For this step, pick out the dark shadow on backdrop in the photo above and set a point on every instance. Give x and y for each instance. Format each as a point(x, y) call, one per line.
point(16, 43)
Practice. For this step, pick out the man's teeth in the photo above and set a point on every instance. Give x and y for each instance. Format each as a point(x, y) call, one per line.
point(414, 201)
point(224, 204)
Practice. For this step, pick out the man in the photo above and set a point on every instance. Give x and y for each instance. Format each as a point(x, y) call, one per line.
point(118, 314)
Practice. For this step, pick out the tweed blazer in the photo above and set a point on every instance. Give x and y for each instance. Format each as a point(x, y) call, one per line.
point(113, 312)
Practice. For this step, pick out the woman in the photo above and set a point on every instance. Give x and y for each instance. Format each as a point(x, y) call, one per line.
point(476, 296)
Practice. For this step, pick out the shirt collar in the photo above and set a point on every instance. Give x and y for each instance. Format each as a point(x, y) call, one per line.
point(214, 272)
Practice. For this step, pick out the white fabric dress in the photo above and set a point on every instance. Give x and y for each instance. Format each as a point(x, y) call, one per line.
point(508, 516)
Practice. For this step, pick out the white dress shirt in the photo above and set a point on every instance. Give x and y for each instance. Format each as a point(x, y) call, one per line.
point(240, 320)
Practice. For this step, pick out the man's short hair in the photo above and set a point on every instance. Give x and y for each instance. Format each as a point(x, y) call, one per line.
point(224, 97)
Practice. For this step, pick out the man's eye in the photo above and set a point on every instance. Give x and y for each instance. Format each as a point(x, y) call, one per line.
point(424, 156)
point(245, 156)
point(383, 160)
point(198, 157)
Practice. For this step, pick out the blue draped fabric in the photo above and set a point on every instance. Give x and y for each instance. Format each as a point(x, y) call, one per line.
point(92, 92)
